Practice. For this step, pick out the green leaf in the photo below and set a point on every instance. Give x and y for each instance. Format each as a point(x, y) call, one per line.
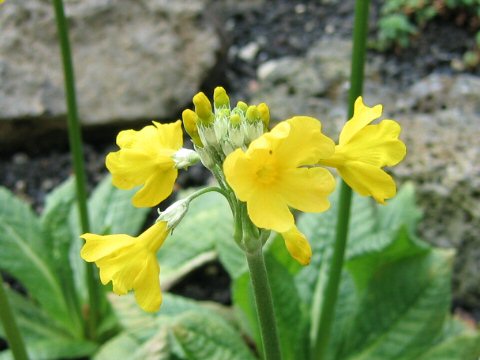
point(230, 255)
point(289, 313)
point(320, 230)
point(43, 337)
point(208, 337)
point(276, 248)
point(26, 257)
point(34, 323)
point(193, 242)
point(244, 304)
point(460, 344)
point(400, 211)
point(111, 210)
point(58, 235)
point(149, 336)
point(122, 346)
point(402, 309)
point(364, 266)
point(158, 347)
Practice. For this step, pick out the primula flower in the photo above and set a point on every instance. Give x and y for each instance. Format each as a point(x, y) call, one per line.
point(129, 262)
point(274, 173)
point(364, 149)
point(146, 158)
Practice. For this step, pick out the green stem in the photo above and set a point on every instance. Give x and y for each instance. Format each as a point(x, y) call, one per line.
point(264, 303)
point(14, 337)
point(327, 311)
point(200, 192)
point(75, 140)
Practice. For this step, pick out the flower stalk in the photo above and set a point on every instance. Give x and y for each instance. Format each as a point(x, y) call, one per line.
point(327, 310)
point(13, 335)
point(264, 303)
point(75, 140)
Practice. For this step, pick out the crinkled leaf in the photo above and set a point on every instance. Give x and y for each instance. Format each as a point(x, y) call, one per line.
point(402, 309)
point(26, 257)
point(112, 212)
point(193, 242)
point(202, 337)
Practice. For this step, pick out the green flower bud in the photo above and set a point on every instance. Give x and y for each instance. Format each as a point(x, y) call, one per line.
point(253, 115)
point(235, 120)
point(242, 106)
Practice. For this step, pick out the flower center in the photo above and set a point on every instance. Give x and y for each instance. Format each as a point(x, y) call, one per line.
point(267, 174)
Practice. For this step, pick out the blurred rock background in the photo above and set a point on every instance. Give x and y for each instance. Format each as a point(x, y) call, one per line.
point(142, 60)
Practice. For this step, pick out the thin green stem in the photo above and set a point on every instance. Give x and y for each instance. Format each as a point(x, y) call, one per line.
point(75, 140)
point(264, 303)
point(327, 311)
point(14, 337)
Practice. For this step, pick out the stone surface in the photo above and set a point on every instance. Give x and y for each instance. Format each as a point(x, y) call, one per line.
point(133, 59)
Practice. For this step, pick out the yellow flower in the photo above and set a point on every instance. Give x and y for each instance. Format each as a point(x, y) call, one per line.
point(297, 245)
point(145, 158)
point(129, 262)
point(364, 149)
point(275, 173)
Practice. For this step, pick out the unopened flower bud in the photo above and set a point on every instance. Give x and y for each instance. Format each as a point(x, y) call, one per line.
point(174, 213)
point(203, 108)
point(253, 115)
point(242, 106)
point(235, 120)
point(190, 123)
point(264, 114)
point(184, 158)
point(205, 158)
point(220, 98)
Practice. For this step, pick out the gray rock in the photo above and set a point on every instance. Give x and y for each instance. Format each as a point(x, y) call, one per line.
point(325, 67)
point(442, 161)
point(133, 59)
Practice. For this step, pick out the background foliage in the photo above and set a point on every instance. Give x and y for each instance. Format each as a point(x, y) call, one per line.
point(401, 20)
point(394, 298)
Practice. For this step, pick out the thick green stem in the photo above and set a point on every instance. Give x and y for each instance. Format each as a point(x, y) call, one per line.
point(75, 140)
point(264, 303)
point(327, 311)
point(14, 337)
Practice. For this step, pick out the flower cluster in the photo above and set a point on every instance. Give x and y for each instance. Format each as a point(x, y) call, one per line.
point(263, 174)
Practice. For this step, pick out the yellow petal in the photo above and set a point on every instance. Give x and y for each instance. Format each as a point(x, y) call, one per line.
point(376, 145)
point(169, 136)
point(269, 210)
point(130, 168)
point(156, 189)
point(147, 285)
point(240, 172)
point(298, 141)
point(297, 245)
point(126, 138)
point(362, 116)
point(307, 189)
point(98, 246)
point(367, 179)
point(120, 268)
point(152, 238)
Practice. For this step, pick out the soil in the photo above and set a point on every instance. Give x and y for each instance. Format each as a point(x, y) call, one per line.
point(279, 28)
